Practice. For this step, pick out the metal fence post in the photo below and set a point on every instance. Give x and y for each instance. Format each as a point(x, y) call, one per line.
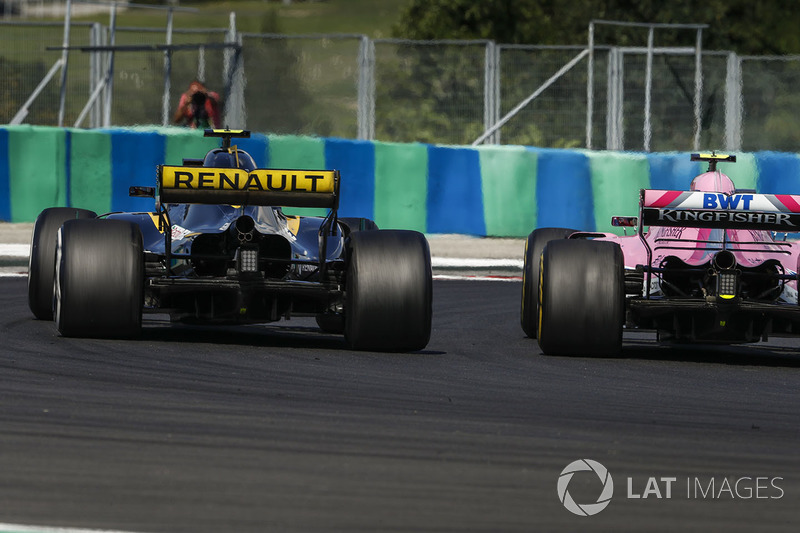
point(109, 90)
point(103, 79)
point(233, 70)
point(240, 116)
point(491, 93)
point(590, 87)
point(95, 73)
point(497, 93)
point(201, 64)
point(698, 88)
point(615, 134)
point(371, 118)
point(64, 58)
point(365, 94)
point(167, 72)
point(227, 69)
point(648, 127)
point(733, 103)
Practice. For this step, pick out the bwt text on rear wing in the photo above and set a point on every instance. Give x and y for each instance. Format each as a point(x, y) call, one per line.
point(698, 209)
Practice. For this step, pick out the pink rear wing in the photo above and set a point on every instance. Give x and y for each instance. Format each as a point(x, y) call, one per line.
point(741, 210)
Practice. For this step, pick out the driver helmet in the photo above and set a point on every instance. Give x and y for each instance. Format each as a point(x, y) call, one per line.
point(221, 158)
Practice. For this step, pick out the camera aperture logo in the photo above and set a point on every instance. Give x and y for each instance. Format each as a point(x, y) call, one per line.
point(585, 509)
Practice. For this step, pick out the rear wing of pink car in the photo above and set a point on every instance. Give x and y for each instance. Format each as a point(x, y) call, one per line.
point(714, 210)
point(741, 210)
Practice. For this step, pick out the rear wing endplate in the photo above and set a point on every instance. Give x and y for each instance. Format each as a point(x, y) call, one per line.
point(235, 186)
point(698, 209)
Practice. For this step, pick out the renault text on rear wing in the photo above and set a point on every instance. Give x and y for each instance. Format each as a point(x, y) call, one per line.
point(203, 185)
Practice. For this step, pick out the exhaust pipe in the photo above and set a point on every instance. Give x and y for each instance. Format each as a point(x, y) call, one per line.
point(245, 228)
point(724, 260)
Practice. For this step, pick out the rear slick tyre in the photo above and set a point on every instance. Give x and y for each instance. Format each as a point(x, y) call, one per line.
point(99, 279)
point(529, 311)
point(581, 298)
point(41, 262)
point(389, 291)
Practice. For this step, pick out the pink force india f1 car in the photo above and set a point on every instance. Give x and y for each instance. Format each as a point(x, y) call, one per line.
point(708, 269)
point(218, 248)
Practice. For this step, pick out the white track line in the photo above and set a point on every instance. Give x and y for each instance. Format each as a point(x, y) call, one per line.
point(23, 250)
point(18, 528)
point(15, 250)
point(460, 262)
point(448, 277)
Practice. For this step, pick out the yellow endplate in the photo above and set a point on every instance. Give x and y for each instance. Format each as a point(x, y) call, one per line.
point(293, 223)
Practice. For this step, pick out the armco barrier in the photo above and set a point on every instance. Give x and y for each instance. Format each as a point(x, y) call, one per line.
point(489, 190)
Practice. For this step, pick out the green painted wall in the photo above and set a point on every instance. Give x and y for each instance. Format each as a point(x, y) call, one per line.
point(401, 185)
point(509, 189)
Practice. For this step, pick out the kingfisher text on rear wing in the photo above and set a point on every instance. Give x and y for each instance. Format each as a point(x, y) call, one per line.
point(776, 212)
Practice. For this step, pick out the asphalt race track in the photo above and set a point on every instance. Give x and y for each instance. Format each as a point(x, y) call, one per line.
point(281, 428)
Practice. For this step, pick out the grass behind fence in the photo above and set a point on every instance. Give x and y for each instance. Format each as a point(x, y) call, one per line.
point(374, 18)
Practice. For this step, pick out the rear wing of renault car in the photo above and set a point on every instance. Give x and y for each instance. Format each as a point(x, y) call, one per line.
point(279, 188)
point(261, 187)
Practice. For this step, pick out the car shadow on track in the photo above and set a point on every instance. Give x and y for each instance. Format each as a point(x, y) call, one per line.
point(782, 352)
point(777, 353)
point(304, 335)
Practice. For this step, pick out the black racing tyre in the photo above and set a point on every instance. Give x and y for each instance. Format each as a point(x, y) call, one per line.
point(529, 312)
point(357, 224)
point(41, 263)
point(99, 279)
point(389, 291)
point(581, 298)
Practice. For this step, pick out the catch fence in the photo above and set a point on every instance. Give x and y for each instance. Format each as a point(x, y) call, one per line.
point(641, 98)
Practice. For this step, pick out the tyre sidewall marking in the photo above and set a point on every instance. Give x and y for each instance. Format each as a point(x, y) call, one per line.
point(540, 296)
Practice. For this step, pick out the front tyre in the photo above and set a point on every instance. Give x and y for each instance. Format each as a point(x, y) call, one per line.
point(99, 279)
point(41, 263)
point(389, 291)
point(581, 298)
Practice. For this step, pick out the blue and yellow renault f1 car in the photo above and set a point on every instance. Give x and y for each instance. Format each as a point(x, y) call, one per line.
point(219, 249)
